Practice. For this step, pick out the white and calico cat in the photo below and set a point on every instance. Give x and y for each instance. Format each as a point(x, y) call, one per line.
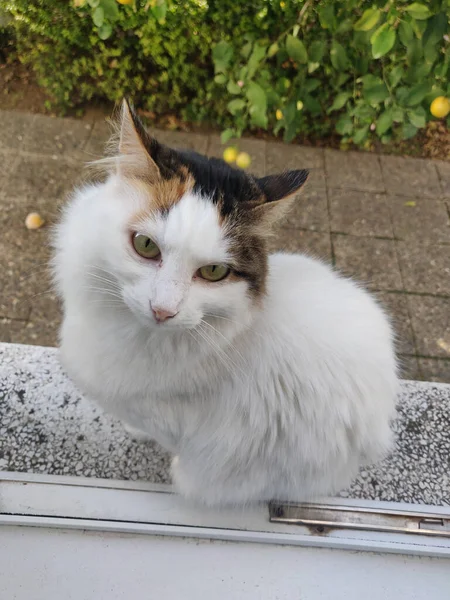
point(267, 377)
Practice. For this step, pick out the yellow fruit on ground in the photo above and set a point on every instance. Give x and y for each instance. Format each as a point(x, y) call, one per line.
point(34, 221)
point(230, 154)
point(440, 107)
point(279, 115)
point(243, 160)
point(125, 1)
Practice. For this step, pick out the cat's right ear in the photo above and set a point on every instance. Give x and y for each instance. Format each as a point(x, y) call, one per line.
point(135, 147)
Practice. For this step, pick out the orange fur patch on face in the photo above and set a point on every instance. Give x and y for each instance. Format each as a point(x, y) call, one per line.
point(167, 192)
point(163, 194)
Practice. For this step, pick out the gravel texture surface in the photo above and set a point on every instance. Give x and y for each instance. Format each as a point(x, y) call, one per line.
point(46, 426)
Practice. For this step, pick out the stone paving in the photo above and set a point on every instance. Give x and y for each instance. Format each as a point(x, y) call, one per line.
point(383, 219)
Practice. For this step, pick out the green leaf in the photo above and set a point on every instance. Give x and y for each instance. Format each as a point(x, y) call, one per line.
point(221, 78)
point(257, 97)
point(296, 50)
point(233, 88)
point(369, 19)
point(339, 101)
point(226, 135)
point(257, 55)
point(419, 28)
point(417, 94)
point(236, 106)
point(327, 17)
point(273, 49)
point(159, 11)
point(395, 76)
point(382, 40)
point(405, 33)
point(98, 16)
point(408, 131)
point(375, 93)
point(105, 31)
point(222, 54)
point(258, 118)
point(414, 52)
point(345, 125)
point(311, 84)
point(360, 134)
point(246, 49)
point(417, 116)
point(317, 51)
point(401, 94)
point(418, 11)
point(338, 56)
point(312, 105)
point(436, 29)
point(110, 8)
point(384, 122)
point(397, 114)
point(93, 3)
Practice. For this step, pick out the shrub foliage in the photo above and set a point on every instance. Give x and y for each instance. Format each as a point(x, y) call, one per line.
point(354, 67)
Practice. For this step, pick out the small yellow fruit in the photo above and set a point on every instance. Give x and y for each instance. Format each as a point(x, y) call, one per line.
point(125, 1)
point(230, 154)
point(279, 115)
point(440, 107)
point(34, 221)
point(243, 160)
point(299, 105)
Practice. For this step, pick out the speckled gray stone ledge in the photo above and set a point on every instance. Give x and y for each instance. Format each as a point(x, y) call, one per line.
point(47, 427)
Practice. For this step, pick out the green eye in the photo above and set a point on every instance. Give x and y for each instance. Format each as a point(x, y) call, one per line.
point(145, 246)
point(214, 272)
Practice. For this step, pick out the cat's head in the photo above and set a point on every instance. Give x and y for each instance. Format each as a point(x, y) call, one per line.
point(183, 236)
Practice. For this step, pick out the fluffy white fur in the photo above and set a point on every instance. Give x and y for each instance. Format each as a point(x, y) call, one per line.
point(285, 399)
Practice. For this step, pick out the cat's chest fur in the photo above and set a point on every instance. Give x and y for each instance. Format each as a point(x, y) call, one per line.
point(158, 384)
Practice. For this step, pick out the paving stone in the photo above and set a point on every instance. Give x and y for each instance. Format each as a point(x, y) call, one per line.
point(182, 140)
point(255, 148)
point(8, 160)
point(360, 213)
point(353, 170)
point(409, 368)
point(38, 178)
point(285, 157)
point(396, 306)
point(410, 176)
point(430, 319)
point(420, 219)
point(309, 242)
point(10, 329)
point(95, 146)
point(24, 257)
point(425, 268)
point(434, 369)
point(372, 261)
point(57, 136)
point(443, 169)
point(309, 211)
point(13, 126)
point(38, 332)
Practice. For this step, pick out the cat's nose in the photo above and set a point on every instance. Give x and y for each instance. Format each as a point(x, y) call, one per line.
point(162, 314)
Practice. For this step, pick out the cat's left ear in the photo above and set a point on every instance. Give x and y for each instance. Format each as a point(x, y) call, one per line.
point(279, 192)
point(135, 146)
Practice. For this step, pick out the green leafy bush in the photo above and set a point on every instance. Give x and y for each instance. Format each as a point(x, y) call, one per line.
point(354, 67)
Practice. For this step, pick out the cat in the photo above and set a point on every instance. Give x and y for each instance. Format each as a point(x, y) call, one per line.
point(267, 377)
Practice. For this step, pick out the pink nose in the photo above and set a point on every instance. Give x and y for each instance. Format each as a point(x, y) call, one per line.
point(162, 314)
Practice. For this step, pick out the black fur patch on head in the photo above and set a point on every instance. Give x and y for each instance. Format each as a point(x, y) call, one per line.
point(217, 180)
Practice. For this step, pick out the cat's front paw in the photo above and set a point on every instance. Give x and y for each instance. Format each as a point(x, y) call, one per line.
point(136, 434)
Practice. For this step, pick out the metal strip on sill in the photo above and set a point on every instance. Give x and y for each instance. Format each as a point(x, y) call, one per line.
point(321, 519)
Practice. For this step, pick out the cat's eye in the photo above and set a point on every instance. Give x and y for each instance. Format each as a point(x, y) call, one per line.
point(145, 246)
point(214, 272)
